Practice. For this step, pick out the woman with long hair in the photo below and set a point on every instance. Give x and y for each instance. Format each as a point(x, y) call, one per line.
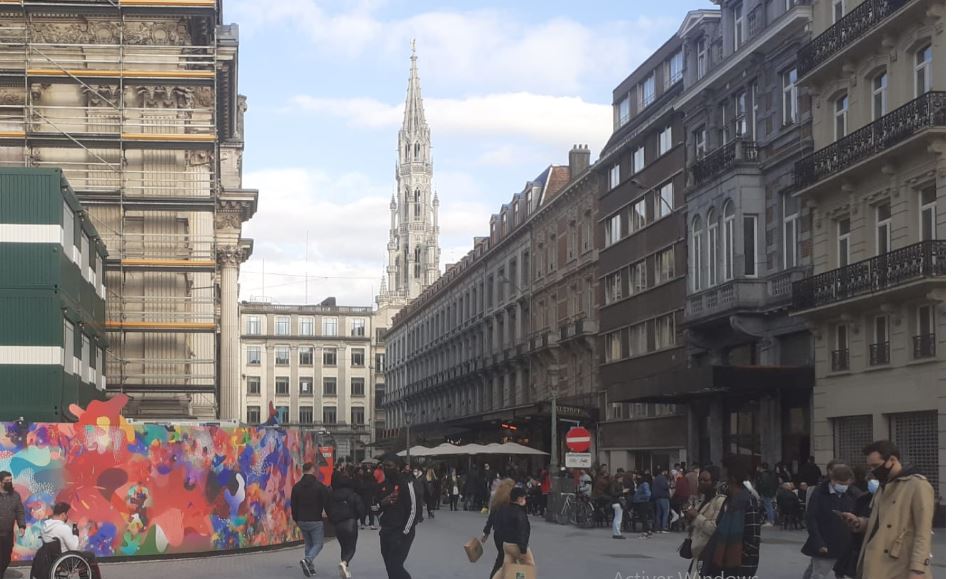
point(431, 491)
point(500, 498)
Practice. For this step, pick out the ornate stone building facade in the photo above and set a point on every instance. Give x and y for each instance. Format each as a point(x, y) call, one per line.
point(479, 354)
point(748, 386)
point(139, 107)
point(875, 187)
point(313, 364)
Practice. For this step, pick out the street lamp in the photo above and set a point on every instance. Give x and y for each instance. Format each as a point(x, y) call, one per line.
point(407, 417)
point(554, 445)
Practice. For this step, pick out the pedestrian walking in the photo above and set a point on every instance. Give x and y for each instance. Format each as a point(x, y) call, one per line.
point(511, 523)
point(308, 497)
point(692, 477)
point(702, 516)
point(897, 534)
point(734, 548)
point(431, 491)
point(368, 487)
point(767, 487)
point(11, 512)
point(454, 485)
point(500, 498)
point(401, 509)
point(661, 497)
point(344, 509)
point(789, 507)
point(828, 537)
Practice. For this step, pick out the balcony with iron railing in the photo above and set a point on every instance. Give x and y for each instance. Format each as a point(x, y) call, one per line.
point(880, 354)
point(924, 346)
point(851, 29)
point(840, 360)
point(851, 153)
point(722, 160)
point(740, 295)
point(893, 271)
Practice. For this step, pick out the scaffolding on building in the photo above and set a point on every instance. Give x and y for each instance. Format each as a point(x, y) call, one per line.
point(124, 97)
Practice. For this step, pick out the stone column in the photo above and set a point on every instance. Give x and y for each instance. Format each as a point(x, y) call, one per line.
point(716, 425)
point(230, 362)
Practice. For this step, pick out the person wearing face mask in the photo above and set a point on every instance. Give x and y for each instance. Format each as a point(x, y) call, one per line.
point(828, 537)
point(11, 511)
point(897, 533)
point(847, 565)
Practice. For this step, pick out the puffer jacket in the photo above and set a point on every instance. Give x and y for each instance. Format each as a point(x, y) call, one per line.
point(344, 504)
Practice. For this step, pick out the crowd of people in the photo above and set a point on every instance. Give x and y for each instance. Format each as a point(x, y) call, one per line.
point(867, 521)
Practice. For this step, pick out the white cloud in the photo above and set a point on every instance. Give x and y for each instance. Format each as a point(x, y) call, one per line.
point(485, 47)
point(345, 220)
point(549, 119)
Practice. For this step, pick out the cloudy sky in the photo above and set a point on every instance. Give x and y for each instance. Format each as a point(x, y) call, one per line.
point(508, 88)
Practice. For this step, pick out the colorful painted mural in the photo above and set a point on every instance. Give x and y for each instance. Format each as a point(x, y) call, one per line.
point(151, 490)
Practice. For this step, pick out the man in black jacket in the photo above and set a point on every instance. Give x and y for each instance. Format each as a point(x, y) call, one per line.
point(401, 509)
point(11, 511)
point(307, 506)
point(828, 535)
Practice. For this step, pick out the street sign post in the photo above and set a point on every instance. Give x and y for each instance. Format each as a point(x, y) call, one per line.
point(578, 439)
point(578, 460)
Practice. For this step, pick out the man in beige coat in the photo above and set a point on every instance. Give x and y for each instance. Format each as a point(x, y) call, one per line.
point(897, 535)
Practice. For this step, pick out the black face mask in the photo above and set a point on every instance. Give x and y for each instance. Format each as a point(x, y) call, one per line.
point(8, 487)
point(881, 473)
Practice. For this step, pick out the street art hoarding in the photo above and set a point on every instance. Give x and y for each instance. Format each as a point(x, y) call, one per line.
point(151, 490)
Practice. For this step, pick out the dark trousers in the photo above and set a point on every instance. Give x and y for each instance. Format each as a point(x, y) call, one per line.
point(498, 563)
point(6, 551)
point(453, 502)
point(395, 546)
point(346, 532)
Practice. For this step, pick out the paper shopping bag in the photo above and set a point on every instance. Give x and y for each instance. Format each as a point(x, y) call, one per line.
point(474, 549)
point(518, 571)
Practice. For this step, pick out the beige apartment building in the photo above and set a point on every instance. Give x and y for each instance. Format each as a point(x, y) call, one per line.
point(876, 190)
point(137, 103)
point(478, 355)
point(313, 363)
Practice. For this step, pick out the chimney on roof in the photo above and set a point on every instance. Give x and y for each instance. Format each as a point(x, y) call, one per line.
point(330, 302)
point(578, 160)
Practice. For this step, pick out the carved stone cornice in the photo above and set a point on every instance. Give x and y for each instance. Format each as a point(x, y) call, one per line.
point(242, 202)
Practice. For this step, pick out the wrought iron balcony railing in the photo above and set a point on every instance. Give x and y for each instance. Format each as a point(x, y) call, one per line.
point(918, 261)
point(880, 354)
point(844, 32)
point(924, 346)
point(926, 111)
point(723, 159)
point(840, 360)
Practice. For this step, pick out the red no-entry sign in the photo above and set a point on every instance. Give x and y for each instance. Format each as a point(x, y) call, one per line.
point(578, 439)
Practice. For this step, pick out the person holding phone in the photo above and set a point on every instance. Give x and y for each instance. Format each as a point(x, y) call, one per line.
point(828, 536)
point(897, 534)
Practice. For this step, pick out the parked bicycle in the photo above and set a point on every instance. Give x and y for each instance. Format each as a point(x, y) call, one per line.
point(577, 509)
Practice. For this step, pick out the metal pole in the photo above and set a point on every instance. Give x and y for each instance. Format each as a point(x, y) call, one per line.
point(554, 437)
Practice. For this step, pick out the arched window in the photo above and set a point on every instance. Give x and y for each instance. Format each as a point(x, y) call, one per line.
point(712, 248)
point(696, 254)
point(416, 150)
point(417, 262)
point(728, 236)
point(417, 204)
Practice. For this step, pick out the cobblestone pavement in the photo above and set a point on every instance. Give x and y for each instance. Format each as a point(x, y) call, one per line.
point(561, 552)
